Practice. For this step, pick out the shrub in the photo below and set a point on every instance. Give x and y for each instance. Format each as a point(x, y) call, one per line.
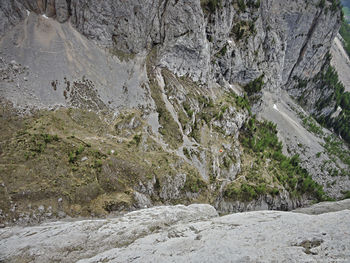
point(254, 86)
point(261, 139)
point(347, 195)
point(241, 5)
point(210, 5)
point(137, 139)
point(72, 157)
point(80, 149)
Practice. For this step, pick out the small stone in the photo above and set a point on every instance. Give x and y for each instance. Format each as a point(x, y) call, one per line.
point(60, 199)
point(84, 159)
point(61, 214)
point(41, 208)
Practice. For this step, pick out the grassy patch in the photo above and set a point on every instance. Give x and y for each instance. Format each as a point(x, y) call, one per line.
point(64, 154)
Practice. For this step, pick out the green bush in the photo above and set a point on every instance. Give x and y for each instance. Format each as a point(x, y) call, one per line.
point(137, 139)
point(241, 5)
point(72, 157)
point(210, 5)
point(80, 149)
point(194, 183)
point(347, 195)
point(261, 139)
point(254, 86)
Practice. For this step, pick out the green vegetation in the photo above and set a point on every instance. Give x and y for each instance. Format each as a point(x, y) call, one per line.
point(39, 142)
point(328, 80)
point(334, 147)
point(194, 183)
point(243, 29)
point(335, 5)
point(136, 139)
point(186, 152)
point(122, 56)
point(347, 195)
point(254, 86)
point(65, 154)
point(311, 124)
point(253, 3)
point(271, 170)
point(73, 155)
point(210, 6)
point(241, 5)
point(322, 3)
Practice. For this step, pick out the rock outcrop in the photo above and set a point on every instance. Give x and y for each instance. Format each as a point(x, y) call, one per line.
point(177, 234)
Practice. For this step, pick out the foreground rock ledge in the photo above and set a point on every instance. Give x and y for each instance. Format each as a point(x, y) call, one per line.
point(184, 234)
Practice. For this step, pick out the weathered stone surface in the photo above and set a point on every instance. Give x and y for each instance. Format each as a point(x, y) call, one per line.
point(284, 39)
point(282, 202)
point(11, 13)
point(70, 241)
point(325, 207)
point(185, 234)
point(50, 10)
point(57, 58)
point(62, 10)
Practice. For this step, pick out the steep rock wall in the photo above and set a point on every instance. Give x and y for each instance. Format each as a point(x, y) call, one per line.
point(226, 41)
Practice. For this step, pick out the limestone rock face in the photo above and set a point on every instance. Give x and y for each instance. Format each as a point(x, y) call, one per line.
point(283, 39)
point(62, 10)
point(226, 44)
point(11, 13)
point(179, 234)
point(325, 207)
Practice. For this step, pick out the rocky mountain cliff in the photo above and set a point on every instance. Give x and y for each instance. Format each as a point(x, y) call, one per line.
point(229, 42)
point(115, 105)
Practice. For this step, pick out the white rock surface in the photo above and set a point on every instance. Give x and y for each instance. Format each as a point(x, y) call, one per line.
point(184, 234)
point(325, 207)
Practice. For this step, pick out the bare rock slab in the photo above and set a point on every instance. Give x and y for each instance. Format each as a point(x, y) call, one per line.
point(185, 234)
